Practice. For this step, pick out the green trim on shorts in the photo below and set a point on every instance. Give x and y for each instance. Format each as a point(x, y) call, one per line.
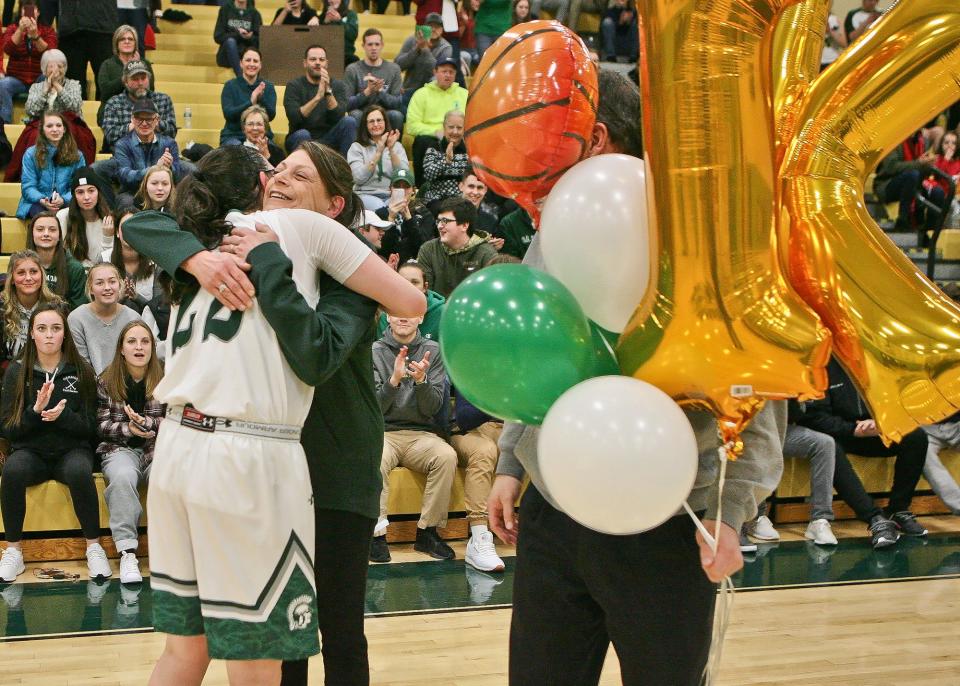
point(173, 614)
point(289, 633)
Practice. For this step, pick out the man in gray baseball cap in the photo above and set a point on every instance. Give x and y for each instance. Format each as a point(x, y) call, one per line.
point(420, 53)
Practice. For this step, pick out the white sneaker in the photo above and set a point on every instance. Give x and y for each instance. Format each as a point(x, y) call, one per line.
point(95, 591)
point(762, 529)
point(97, 564)
point(11, 564)
point(819, 532)
point(482, 553)
point(482, 585)
point(13, 596)
point(129, 569)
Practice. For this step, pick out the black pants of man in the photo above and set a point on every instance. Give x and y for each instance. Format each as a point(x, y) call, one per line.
point(576, 590)
point(340, 564)
point(82, 47)
point(911, 453)
point(850, 487)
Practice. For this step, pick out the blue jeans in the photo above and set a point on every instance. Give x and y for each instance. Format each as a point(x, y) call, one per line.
point(233, 54)
point(484, 41)
point(620, 43)
point(340, 137)
point(820, 449)
point(394, 117)
point(903, 187)
point(10, 87)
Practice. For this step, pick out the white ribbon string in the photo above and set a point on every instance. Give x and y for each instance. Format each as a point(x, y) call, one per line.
point(724, 607)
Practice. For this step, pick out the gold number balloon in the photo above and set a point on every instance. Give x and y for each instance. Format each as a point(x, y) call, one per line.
point(720, 327)
point(757, 168)
point(894, 331)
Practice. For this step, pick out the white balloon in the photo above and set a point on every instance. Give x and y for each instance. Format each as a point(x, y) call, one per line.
point(595, 237)
point(617, 454)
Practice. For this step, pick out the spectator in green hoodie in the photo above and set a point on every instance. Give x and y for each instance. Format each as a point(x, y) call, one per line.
point(430, 326)
point(459, 251)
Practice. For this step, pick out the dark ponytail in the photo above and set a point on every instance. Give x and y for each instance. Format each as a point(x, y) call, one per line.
point(227, 179)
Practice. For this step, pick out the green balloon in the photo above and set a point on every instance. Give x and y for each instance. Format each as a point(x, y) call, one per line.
point(514, 339)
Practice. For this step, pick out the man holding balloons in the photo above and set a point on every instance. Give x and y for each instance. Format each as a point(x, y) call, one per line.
point(653, 593)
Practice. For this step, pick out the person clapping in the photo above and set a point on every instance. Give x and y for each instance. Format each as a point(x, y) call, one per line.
point(374, 158)
point(49, 416)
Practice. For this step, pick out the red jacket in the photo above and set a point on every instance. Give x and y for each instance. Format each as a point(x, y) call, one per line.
point(425, 7)
point(24, 64)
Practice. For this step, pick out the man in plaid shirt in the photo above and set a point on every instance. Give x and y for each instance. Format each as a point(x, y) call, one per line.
point(117, 115)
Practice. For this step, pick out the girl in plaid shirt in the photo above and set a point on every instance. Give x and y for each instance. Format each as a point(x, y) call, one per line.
point(127, 420)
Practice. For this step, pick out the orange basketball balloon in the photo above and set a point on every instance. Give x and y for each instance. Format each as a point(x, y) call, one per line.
point(531, 110)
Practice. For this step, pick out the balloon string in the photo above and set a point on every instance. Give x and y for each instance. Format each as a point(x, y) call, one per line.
point(724, 607)
point(613, 353)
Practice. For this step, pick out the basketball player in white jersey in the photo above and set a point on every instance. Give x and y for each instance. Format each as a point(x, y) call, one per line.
point(231, 522)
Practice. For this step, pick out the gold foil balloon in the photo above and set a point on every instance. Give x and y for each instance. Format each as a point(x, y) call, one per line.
point(757, 166)
point(720, 326)
point(897, 335)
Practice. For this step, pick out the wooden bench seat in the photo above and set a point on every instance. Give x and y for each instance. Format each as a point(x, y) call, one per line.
point(50, 510)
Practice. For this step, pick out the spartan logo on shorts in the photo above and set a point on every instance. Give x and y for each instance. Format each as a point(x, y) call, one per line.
point(298, 613)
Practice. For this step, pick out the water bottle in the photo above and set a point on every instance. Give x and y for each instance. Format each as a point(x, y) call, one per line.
point(187, 118)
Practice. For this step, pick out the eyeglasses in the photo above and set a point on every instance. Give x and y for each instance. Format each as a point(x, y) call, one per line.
point(443, 221)
point(147, 120)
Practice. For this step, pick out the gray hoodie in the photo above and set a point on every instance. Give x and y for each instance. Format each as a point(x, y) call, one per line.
point(409, 405)
point(749, 479)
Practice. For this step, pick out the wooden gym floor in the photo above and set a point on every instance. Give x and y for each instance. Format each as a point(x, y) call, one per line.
point(805, 615)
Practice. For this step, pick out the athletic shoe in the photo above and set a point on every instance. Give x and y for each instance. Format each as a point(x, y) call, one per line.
point(96, 590)
point(819, 532)
point(482, 553)
point(429, 542)
point(11, 564)
point(97, 564)
point(761, 529)
point(907, 524)
point(819, 555)
point(379, 552)
point(883, 532)
point(129, 569)
point(13, 596)
point(482, 585)
point(746, 545)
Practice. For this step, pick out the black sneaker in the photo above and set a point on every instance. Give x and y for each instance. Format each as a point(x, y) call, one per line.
point(907, 524)
point(379, 552)
point(883, 532)
point(429, 542)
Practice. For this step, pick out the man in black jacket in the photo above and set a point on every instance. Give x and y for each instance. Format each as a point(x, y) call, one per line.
point(316, 106)
point(843, 415)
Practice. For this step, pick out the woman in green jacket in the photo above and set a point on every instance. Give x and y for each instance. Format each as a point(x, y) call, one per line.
point(493, 18)
point(339, 12)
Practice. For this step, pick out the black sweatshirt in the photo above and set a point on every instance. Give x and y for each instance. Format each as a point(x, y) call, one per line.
point(76, 427)
point(841, 408)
